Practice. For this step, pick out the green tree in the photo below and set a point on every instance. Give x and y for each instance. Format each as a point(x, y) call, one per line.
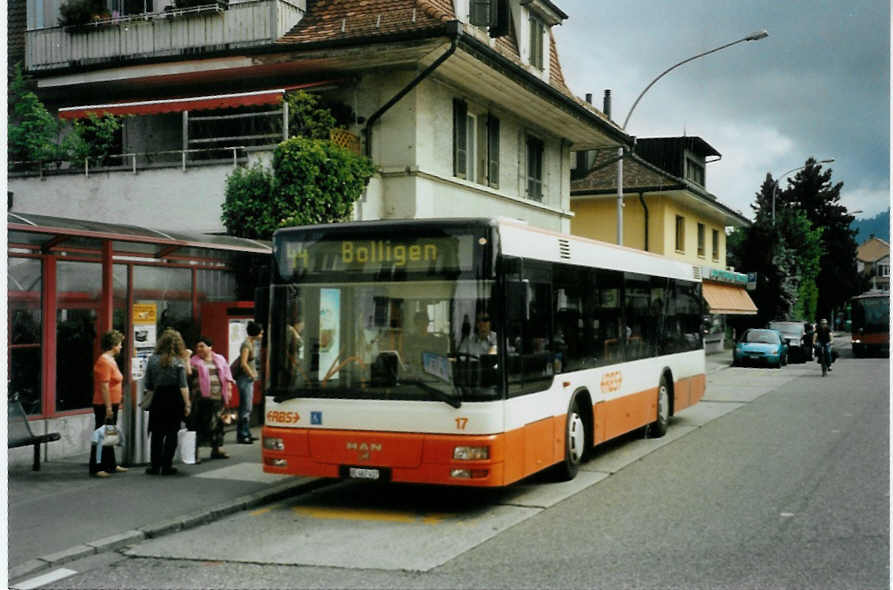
point(31, 130)
point(311, 181)
point(784, 251)
point(812, 192)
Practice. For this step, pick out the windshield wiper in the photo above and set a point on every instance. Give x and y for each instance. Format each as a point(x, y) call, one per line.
point(452, 400)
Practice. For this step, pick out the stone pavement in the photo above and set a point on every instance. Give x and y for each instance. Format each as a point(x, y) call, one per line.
point(60, 514)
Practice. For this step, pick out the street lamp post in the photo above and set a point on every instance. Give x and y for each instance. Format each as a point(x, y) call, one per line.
point(778, 180)
point(756, 36)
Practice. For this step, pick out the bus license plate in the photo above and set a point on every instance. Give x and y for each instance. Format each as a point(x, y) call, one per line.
point(362, 473)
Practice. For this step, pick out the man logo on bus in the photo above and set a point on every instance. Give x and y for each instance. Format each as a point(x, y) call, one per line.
point(611, 381)
point(364, 450)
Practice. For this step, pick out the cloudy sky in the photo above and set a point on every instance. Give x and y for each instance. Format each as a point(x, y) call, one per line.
point(819, 85)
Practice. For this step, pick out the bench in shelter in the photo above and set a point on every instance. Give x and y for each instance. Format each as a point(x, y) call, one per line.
point(19, 433)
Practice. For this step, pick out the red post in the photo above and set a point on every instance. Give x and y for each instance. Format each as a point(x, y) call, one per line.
point(106, 306)
point(48, 337)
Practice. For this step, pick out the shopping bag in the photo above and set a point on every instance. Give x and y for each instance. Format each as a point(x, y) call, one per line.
point(186, 446)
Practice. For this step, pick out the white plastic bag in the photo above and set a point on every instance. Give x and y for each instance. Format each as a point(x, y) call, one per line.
point(186, 446)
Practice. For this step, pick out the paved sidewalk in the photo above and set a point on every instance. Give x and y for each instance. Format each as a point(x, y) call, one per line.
point(60, 513)
point(718, 361)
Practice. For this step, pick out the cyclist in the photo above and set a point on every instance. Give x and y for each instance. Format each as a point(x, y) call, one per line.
point(823, 340)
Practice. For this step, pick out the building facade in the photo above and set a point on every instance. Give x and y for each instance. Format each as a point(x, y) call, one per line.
point(666, 210)
point(873, 262)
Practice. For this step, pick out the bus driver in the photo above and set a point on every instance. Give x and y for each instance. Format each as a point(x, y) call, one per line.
point(483, 341)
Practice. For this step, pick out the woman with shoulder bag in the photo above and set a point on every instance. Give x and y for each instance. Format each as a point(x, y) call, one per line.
point(166, 374)
point(107, 390)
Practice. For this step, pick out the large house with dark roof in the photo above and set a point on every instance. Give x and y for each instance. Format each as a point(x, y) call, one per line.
point(457, 120)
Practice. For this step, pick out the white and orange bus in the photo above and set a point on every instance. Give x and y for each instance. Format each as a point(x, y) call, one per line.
point(469, 351)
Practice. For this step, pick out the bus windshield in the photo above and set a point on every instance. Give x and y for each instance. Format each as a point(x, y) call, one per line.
point(871, 314)
point(373, 319)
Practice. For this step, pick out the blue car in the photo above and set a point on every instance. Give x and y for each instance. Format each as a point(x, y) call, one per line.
point(760, 346)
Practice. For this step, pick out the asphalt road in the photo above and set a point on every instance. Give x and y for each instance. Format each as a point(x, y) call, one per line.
point(779, 479)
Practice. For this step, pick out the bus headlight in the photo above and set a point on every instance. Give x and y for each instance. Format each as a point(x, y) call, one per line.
point(469, 473)
point(274, 444)
point(471, 453)
point(276, 462)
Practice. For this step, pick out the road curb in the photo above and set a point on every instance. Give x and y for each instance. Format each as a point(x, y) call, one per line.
point(124, 539)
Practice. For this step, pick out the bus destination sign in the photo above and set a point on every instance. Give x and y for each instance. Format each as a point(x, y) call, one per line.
point(422, 254)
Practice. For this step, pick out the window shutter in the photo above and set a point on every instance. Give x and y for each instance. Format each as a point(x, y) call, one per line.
point(493, 151)
point(479, 13)
point(460, 138)
point(499, 18)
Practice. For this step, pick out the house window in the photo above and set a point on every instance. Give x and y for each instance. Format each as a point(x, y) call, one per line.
point(694, 171)
point(475, 146)
point(492, 153)
point(883, 270)
point(535, 150)
point(680, 233)
point(460, 139)
point(715, 245)
point(537, 32)
point(701, 240)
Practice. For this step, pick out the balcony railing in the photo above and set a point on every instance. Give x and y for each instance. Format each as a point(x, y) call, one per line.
point(135, 162)
point(211, 27)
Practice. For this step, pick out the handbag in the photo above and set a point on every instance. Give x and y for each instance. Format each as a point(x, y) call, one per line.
point(235, 368)
point(186, 446)
point(112, 437)
point(146, 402)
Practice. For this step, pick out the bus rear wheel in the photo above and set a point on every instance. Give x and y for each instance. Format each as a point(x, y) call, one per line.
point(574, 442)
point(658, 428)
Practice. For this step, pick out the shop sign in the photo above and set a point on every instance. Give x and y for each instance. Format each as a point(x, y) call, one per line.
point(724, 276)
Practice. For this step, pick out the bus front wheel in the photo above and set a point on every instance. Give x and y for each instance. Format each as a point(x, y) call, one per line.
point(574, 442)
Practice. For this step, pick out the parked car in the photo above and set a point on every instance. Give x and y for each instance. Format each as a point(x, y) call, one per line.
point(760, 346)
point(794, 334)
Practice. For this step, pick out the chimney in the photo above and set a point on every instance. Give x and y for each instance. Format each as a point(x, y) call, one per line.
point(589, 97)
point(607, 103)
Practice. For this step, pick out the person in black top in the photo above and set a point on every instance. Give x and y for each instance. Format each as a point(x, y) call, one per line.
point(166, 374)
point(823, 339)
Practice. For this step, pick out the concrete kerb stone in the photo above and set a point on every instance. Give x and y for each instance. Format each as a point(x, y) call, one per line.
point(70, 554)
point(29, 568)
point(115, 541)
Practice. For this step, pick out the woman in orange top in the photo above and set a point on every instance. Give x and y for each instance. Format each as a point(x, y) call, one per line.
point(107, 380)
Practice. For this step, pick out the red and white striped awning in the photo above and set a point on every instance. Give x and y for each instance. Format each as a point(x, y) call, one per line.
point(196, 103)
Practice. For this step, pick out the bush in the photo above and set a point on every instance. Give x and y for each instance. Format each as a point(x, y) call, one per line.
point(248, 208)
point(94, 138)
point(318, 180)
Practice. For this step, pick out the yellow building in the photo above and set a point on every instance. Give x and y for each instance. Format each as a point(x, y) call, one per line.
point(666, 210)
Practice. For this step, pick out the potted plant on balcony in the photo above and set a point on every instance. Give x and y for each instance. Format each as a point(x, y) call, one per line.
point(76, 15)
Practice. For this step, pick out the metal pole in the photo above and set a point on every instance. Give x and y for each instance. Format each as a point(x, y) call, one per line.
point(755, 36)
point(620, 196)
